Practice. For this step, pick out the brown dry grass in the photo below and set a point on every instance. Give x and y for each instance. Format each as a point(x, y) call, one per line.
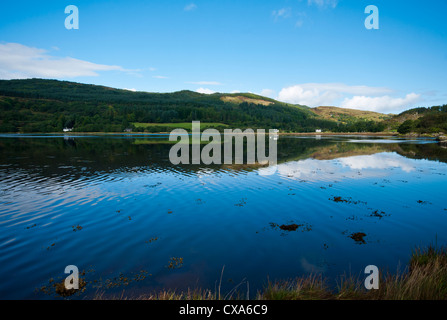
point(240, 99)
point(342, 114)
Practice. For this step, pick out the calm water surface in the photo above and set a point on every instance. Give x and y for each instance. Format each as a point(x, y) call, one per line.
point(117, 208)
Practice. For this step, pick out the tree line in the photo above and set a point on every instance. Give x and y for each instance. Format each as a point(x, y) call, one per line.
point(37, 105)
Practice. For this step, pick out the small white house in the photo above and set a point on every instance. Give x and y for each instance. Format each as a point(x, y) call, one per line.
point(68, 129)
point(318, 131)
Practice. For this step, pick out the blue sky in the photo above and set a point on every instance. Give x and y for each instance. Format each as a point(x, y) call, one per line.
point(313, 52)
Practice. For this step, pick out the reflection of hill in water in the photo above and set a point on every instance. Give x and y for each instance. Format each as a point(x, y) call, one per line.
point(343, 150)
point(116, 153)
point(429, 151)
point(82, 157)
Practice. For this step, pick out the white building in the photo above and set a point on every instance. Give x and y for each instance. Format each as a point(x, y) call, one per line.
point(318, 131)
point(68, 129)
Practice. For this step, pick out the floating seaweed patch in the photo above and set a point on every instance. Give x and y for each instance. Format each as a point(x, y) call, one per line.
point(348, 200)
point(423, 202)
point(378, 214)
point(152, 240)
point(77, 228)
point(121, 280)
point(175, 263)
point(62, 291)
point(241, 202)
point(57, 287)
point(291, 227)
point(31, 226)
point(338, 199)
point(358, 237)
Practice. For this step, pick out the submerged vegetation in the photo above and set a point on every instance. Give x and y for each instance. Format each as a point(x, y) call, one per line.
point(425, 278)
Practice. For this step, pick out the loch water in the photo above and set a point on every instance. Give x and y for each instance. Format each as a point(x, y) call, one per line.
point(115, 207)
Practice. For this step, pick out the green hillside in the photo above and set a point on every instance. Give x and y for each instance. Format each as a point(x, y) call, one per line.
point(421, 120)
point(37, 105)
point(344, 115)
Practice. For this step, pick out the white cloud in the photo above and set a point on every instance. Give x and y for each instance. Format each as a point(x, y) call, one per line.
point(133, 90)
point(312, 97)
point(381, 104)
point(205, 91)
point(323, 3)
point(190, 7)
point(160, 77)
point(282, 13)
point(354, 97)
point(286, 13)
point(207, 83)
point(18, 61)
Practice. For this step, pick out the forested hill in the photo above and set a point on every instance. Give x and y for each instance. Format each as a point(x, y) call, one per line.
point(421, 120)
point(37, 105)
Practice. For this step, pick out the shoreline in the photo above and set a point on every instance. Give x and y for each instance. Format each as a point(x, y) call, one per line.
point(439, 137)
point(167, 133)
